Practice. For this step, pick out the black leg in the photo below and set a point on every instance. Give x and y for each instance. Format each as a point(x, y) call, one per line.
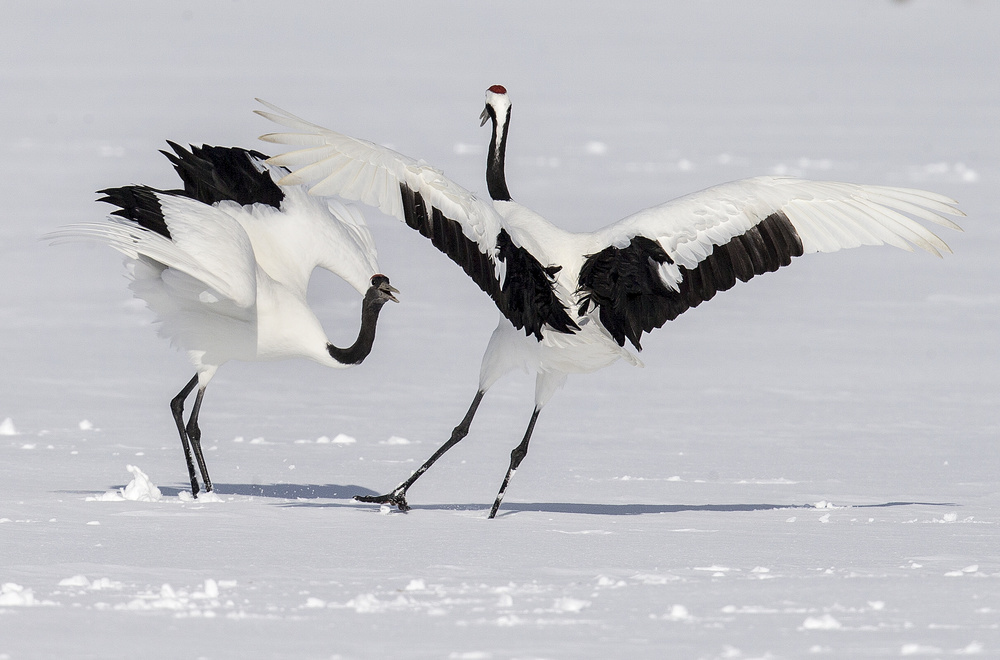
point(398, 495)
point(516, 456)
point(194, 435)
point(177, 408)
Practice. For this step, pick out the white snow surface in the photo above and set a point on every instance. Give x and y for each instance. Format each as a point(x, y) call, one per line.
point(807, 466)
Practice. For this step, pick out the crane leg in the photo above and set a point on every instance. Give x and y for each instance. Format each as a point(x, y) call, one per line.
point(177, 408)
point(398, 495)
point(516, 456)
point(194, 435)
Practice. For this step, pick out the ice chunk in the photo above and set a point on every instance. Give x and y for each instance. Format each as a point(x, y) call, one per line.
point(15, 595)
point(572, 605)
point(7, 427)
point(140, 489)
point(825, 622)
point(678, 613)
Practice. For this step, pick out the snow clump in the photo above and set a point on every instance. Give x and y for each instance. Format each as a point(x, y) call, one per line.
point(139, 489)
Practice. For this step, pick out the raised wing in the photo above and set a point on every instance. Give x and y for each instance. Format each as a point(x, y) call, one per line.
point(215, 174)
point(333, 164)
point(242, 183)
point(180, 233)
point(466, 228)
point(652, 266)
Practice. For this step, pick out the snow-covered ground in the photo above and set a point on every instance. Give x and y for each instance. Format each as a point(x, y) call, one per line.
point(807, 464)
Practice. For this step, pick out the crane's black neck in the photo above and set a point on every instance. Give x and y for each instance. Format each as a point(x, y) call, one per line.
point(496, 180)
point(359, 350)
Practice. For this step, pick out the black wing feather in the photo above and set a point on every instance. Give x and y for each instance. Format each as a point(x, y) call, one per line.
point(213, 174)
point(527, 297)
point(623, 283)
point(140, 204)
point(210, 175)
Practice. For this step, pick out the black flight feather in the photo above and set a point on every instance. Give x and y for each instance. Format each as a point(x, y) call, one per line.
point(625, 286)
point(527, 297)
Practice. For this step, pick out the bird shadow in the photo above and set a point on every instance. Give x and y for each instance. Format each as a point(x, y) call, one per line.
point(301, 492)
point(285, 491)
point(620, 509)
point(276, 491)
point(645, 509)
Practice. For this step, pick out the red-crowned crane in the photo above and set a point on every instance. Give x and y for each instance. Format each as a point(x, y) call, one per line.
point(569, 301)
point(224, 265)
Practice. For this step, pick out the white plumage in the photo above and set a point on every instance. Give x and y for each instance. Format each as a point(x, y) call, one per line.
point(570, 301)
point(225, 263)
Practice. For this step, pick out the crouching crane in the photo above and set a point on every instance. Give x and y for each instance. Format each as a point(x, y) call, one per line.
point(225, 262)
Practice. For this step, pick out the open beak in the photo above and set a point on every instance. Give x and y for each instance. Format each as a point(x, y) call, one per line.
point(389, 289)
point(485, 117)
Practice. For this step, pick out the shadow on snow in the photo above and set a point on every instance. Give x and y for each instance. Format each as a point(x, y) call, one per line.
point(348, 491)
point(286, 491)
point(277, 491)
point(643, 509)
point(619, 509)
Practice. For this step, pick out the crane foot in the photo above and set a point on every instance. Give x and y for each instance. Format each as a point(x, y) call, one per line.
point(396, 498)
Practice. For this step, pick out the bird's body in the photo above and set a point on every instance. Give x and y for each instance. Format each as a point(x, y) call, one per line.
point(571, 302)
point(224, 265)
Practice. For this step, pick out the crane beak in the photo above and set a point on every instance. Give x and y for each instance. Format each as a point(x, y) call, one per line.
point(388, 290)
point(485, 117)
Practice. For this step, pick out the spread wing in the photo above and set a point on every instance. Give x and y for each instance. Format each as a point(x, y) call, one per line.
point(202, 242)
point(240, 182)
point(466, 228)
point(652, 266)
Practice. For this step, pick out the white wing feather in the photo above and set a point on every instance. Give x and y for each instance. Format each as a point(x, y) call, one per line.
point(828, 216)
point(206, 244)
point(335, 164)
point(307, 232)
